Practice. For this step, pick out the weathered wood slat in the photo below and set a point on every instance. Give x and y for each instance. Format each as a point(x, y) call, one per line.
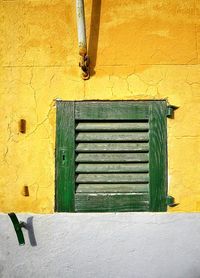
point(112, 167)
point(115, 126)
point(158, 155)
point(112, 178)
point(112, 147)
point(112, 136)
point(65, 168)
point(112, 157)
point(107, 110)
point(111, 202)
point(105, 188)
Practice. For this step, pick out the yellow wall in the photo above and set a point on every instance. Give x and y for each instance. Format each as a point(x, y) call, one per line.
point(146, 49)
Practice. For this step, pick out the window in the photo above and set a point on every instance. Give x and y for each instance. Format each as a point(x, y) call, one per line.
point(111, 156)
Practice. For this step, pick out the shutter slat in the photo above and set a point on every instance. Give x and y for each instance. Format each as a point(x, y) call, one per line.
point(118, 126)
point(112, 136)
point(107, 110)
point(105, 188)
point(112, 178)
point(112, 168)
point(111, 202)
point(112, 147)
point(112, 157)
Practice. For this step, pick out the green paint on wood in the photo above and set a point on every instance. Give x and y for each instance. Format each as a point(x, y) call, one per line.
point(65, 157)
point(112, 157)
point(112, 147)
point(158, 156)
point(111, 110)
point(120, 126)
point(114, 142)
point(112, 188)
point(111, 202)
point(113, 178)
point(112, 168)
point(112, 136)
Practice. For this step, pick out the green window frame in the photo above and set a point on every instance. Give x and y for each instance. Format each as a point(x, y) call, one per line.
point(133, 135)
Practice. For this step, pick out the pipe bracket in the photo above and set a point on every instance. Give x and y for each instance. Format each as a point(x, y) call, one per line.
point(84, 65)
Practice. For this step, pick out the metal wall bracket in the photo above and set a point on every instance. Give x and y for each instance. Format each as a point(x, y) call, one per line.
point(171, 201)
point(170, 111)
point(17, 226)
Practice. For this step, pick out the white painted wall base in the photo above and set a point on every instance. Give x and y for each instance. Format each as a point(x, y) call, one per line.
point(122, 245)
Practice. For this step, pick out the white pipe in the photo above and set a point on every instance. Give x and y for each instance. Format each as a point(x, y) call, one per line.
point(80, 14)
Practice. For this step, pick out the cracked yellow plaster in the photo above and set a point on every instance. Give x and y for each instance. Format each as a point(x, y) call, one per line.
point(146, 50)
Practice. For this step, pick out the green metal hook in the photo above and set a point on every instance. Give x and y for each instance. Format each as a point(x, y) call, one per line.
point(17, 226)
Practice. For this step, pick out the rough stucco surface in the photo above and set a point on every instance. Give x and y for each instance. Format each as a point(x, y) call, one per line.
point(131, 245)
point(141, 50)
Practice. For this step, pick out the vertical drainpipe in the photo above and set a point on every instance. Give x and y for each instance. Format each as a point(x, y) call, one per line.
point(82, 41)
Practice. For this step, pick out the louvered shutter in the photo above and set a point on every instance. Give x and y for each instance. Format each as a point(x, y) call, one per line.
point(111, 156)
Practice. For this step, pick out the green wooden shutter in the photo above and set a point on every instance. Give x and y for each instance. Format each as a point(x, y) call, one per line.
point(111, 156)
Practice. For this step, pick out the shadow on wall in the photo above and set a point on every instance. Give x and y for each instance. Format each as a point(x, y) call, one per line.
point(94, 34)
point(94, 38)
point(31, 233)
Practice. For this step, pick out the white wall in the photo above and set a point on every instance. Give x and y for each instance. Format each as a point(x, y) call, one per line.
point(127, 245)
